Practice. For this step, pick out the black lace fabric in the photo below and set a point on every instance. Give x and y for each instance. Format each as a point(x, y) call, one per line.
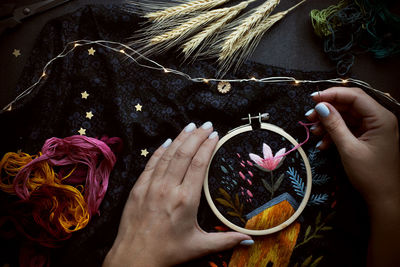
point(169, 102)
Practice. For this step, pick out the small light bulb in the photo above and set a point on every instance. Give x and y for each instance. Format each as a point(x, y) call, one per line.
point(122, 51)
point(43, 74)
point(205, 80)
point(165, 70)
point(344, 80)
point(75, 45)
point(296, 81)
point(253, 78)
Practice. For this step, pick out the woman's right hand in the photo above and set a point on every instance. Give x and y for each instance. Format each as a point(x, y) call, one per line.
point(367, 138)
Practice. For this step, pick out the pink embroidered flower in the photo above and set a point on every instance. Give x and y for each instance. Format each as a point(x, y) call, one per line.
point(269, 162)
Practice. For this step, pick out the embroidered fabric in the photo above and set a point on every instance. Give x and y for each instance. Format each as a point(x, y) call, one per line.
point(333, 226)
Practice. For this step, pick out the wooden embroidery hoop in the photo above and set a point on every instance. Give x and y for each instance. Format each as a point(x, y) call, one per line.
point(273, 128)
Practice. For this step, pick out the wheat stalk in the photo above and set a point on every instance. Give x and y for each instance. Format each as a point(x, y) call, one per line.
point(203, 37)
point(233, 40)
point(184, 9)
point(167, 40)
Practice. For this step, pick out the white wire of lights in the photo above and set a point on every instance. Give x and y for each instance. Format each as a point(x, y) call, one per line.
point(151, 64)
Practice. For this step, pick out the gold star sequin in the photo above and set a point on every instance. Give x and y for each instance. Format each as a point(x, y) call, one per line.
point(91, 51)
point(16, 52)
point(144, 152)
point(138, 107)
point(89, 115)
point(82, 131)
point(85, 95)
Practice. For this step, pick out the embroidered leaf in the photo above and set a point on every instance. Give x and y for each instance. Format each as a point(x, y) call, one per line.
point(279, 181)
point(267, 186)
point(237, 204)
point(317, 199)
point(307, 262)
point(297, 182)
point(318, 236)
point(320, 179)
point(224, 169)
point(234, 214)
point(326, 228)
point(317, 261)
point(318, 219)
point(224, 194)
point(224, 202)
point(307, 232)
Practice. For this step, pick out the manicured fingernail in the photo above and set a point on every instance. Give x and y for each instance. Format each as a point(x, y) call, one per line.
point(206, 125)
point(247, 242)
point(190, 127)
point(322, 110)
point(314, 94)
point(308, 113)
point(167, 142)
point(318, 144)
point(213, 135)
point(313, 127)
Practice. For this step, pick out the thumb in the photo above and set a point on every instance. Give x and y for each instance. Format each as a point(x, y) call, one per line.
point(334, 125)
point(215, 242)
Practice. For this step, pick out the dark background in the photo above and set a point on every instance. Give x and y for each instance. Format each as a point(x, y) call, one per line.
point(290, 44)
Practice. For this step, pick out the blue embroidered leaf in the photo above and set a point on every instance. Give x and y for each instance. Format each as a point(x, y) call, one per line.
point(297, 182)
point(317, 199)
point(224, 169)
point(320, 179)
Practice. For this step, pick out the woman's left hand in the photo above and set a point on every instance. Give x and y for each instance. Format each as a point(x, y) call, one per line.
point(159, 223)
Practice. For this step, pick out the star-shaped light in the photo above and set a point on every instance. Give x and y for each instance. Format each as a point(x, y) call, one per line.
point(16, 52)
point(144, 152)
point(91, 51)
point(138, 107)
point(89, 115)
point(82, 131)
point(85, 95)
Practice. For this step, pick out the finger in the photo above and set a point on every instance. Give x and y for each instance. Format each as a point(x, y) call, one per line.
point(325, 143)
point(355, 98)
point(317, 129)
point(215, 242)
point(162, 165)
point(334, 125)
point(196, 173)
point(183, 156)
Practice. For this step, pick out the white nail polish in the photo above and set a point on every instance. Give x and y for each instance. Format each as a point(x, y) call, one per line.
point(207, 125)
point(313, 127)
point(308, 113)
point(314, 94)
point(247, 242)
point(318, 144)
point(213, 135)
point(322, 110)
point(190, 127)
point(167, 143)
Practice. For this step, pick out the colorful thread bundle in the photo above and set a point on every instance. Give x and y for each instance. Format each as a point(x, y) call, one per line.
point(354, 25)
point(60, 189)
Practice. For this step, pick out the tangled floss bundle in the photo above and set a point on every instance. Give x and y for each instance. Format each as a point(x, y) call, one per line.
point(59, 189)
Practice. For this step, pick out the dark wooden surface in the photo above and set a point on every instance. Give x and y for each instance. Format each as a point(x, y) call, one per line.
point(289, 44)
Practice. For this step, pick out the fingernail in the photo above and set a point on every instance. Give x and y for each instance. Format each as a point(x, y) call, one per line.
point(318, 144)
point(190, 127)
point(206, 125)
point(313, 127)
point(213, 135)
point(247, 242)
point(322, 110)
point(308, 113)
point(314, 94)
point(167, 143)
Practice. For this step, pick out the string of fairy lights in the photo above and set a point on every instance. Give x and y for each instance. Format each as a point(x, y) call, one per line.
point(146, 62)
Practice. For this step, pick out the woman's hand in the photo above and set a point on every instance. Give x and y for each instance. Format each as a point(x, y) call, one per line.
point(367, 138)
point(159, 223)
